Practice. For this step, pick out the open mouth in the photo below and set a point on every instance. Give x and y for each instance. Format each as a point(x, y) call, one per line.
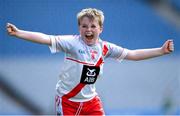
point(89, 36)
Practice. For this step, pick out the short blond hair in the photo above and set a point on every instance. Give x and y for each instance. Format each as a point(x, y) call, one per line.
point(91, 13)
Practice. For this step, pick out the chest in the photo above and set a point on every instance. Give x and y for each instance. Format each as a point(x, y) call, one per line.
point(87, 53)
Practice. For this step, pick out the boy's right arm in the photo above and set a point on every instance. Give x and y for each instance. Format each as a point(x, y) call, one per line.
point(28, 35)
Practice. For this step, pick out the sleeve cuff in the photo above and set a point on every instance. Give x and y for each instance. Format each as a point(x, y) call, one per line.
point(123, 55)
point(53, 47)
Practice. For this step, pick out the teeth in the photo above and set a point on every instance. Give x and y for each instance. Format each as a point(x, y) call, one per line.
point(89, 35)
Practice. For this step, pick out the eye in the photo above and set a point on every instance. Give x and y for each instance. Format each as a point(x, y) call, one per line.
point(84, 26)
point(93, 26)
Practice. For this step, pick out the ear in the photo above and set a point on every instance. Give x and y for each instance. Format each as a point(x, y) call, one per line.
point(101, 29)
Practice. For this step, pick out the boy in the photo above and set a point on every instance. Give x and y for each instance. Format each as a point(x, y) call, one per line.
point(85, 54)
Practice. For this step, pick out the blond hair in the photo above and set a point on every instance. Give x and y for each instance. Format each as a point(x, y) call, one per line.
point(91, 13)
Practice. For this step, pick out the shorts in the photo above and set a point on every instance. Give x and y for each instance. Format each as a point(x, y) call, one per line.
point(67, 107)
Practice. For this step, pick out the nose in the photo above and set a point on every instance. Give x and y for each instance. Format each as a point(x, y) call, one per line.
point(89, 28)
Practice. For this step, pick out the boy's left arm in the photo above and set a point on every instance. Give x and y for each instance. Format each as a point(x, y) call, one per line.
point(142, 54)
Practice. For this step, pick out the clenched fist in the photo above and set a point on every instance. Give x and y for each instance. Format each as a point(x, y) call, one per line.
point(168, 47)
point(11, 29)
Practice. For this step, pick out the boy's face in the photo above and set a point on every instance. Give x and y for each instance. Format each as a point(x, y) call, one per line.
point(89, 30)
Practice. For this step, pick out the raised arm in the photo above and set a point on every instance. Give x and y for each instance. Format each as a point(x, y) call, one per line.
point(142, 54)
point(28, 35)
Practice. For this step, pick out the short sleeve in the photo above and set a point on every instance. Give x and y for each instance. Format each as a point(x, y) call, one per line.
point(62, 43)
point(117, 52)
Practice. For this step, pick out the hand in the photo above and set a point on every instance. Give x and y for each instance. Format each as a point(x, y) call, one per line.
point(11, 29)
point(168, 47)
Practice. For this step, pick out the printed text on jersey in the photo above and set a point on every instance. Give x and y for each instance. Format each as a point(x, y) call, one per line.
point(89, 74)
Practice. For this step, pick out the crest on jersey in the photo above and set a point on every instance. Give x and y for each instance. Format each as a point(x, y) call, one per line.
point(93, 54)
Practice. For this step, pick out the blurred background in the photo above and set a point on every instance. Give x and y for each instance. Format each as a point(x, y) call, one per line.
point(29, 72)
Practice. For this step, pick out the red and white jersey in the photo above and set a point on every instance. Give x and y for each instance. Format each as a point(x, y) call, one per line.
point(79, 57)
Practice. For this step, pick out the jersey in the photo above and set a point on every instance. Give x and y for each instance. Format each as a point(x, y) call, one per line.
point(79, 64)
